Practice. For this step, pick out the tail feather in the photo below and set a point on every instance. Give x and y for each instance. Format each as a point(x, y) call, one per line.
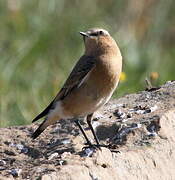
point(39, 130)
point(37, 133)
point(44, 113)
point(47, 122)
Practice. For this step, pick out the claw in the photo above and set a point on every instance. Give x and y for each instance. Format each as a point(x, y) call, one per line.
point(94, 146)
point(90, 148)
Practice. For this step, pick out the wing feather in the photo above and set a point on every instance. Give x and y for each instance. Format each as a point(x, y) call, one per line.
point(81, 69)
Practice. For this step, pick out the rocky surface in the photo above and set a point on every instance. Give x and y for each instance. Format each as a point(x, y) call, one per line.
point(139, 127)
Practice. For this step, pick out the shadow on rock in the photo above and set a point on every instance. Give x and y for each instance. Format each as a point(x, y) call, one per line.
point(106, 132)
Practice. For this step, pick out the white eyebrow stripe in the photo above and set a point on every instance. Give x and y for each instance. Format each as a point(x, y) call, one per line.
point(93, 31)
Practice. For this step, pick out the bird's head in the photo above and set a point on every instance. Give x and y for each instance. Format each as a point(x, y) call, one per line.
point(97, 41)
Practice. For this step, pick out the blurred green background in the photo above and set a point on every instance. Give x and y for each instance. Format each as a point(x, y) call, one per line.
point(39, 44)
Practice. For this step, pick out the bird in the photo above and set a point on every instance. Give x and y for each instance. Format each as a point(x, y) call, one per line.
point(89, 86)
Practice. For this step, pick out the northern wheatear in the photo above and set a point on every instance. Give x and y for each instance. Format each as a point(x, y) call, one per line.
point(89, 86)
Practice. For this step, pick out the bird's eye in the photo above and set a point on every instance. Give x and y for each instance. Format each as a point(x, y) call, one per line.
point(97, 33)
point(101, 32)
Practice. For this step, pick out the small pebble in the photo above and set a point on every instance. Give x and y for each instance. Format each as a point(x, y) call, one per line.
point(25, 150)
point(131, 110)
point(89, 151)
point(19, 146)
point(137, 125)
point(124, 120)
point(119, 105)
point(53, 156)
point(95, 124)
point(147, 96)
point(119, 114)
point(15, 172)
point(2, 163)
point(22, 148)
point(2, 168)
point(65, 154)
point(140, 112)
point(151, 133)
point(154, 108)
point(12, 145)
point(66, 141)
point(62, 162)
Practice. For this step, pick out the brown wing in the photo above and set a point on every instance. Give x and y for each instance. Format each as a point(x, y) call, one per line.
point(81, 69)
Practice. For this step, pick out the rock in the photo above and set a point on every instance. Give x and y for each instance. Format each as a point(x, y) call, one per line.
point(140, 126)
point(53, 176)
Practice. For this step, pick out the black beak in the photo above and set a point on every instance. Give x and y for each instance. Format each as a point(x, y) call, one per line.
point(84, 34)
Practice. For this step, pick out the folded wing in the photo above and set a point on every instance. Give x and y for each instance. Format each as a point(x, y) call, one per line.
point(81, 69)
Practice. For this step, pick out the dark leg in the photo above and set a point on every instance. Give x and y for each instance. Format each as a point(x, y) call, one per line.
point(82, 130)
point(89, 118)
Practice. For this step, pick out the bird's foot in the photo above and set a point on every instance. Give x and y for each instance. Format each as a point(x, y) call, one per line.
point(90, 148)
point(89, 145)
point(95, 147)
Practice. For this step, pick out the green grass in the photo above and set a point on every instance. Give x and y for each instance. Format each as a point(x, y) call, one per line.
point(39, 44)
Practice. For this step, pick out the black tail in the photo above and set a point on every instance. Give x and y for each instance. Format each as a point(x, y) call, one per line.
point(38, 131)
point(44, 113)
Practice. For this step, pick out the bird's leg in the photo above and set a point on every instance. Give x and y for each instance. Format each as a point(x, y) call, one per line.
point(83, 132)
point(89, 118)
point(98, 145)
